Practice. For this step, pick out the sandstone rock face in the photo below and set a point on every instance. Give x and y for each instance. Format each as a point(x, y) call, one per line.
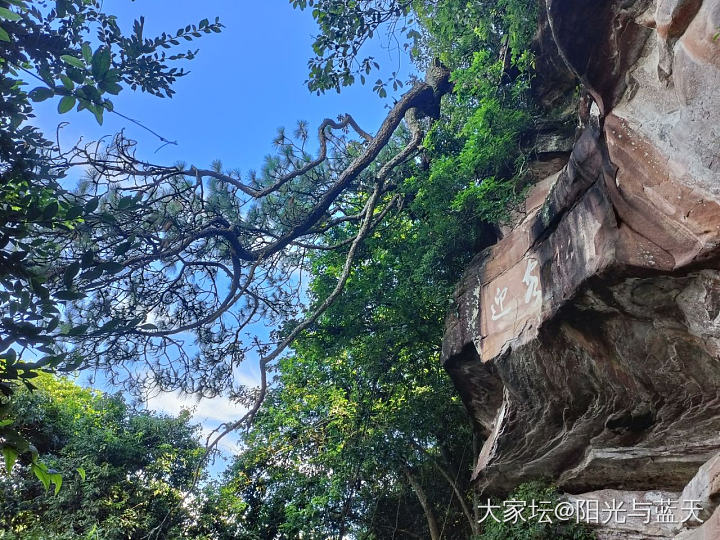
point(637, 522)
point(692, 514)
point(586, 342)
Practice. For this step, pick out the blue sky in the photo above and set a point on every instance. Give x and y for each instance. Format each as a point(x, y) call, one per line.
point(244, 84)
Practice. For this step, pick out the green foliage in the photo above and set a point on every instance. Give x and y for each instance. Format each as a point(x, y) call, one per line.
point(533, 529)
point(455, 29)
point(71, 68)
point(344, 28)
point(50, 42)
point(363, 397)
point(485, 153)
point(116, 471)
point(448, 30)
point(480, 140)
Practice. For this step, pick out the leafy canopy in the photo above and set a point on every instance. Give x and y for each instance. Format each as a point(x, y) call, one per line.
point(124, 471)
point(77, 54)
point(361, 433)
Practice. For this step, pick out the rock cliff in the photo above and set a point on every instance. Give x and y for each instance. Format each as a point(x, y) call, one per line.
point(586, 342)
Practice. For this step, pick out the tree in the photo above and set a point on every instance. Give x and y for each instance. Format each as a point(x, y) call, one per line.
point(196, 250)
point(161, 256)
point(538, 493)
point(361, 434)
point(344, 29)
point(124, 471)
point(49, 42)
point(207, 253)
point(450, 31)
point(361, 420)
point(172, 254)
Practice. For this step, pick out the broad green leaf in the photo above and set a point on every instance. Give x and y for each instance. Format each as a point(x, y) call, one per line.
point(67, 82)
point(61, 7)
point(52, 325)
point(78, 330)
point(41, 93)
point(74, 212)
point(10, 456)
point(81, 472)
point(92, 274)
point(110, 325)
point(51, 210)
point(76, 75)
point(88, 258)
point(56, 478)
point(100, 63)
point(111, 88)
point(92, 205)
point(4, 36)
point(112, 267)
point(121, 249)
point(69, 295)
point(70, 272)
point(71, 60)
point(87, 52)
point(41, 472)
point(96, 110)
point(66, 104)
point(10, 356)
point(5, 13)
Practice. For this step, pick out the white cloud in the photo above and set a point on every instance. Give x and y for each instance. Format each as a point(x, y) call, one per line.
point(208, 412)
point(215, 410)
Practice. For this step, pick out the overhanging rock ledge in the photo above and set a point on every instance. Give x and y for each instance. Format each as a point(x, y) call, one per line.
point(586, 342)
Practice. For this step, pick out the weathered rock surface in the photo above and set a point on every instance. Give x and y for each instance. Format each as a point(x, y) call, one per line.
point(704, 489)
point(641, 515)
point(637, 517)
point(586, 342)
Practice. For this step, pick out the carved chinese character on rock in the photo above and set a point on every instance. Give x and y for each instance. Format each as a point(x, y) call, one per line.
point(510, 305)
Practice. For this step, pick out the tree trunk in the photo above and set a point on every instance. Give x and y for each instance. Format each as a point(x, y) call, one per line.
point(470, 515)
point(453, 484)
point(476, 452)
point(427, 509)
